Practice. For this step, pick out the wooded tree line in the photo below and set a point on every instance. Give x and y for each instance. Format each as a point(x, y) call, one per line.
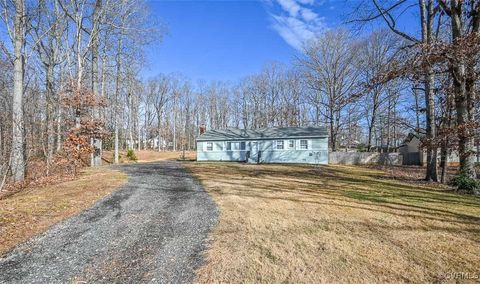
point(70, 77)
point(442, 60)
point(318, 88)
point(66, 68)
point(321, 87)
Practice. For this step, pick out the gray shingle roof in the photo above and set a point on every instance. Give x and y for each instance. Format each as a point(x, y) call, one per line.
point(263, 133)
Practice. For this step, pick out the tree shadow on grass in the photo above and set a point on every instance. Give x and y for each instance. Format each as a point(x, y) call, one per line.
point(334, 185)
point(388, 207)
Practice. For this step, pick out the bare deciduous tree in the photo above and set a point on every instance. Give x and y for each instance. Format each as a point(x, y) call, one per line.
point(331, 73)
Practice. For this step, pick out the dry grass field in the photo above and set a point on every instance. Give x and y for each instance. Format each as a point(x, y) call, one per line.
point(30, 212)
point(150, 156)
point(328, 224)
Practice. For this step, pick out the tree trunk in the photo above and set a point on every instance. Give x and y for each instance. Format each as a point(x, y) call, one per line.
point(159, 127)
point(104, 78)
point(370, 131)
point(389, 114)
point(130, 122)
point(333, 134)
point(137, 119)
point(465, 139)
point(417, 111)
point(444, 160)
point(463, 100)
point(18, 158)
point(426, 14)
point(50, 114)
point(431, 174)
point(59, 114)
point(96, 156)
point(446, 142)
point(117, 93)
point(59, 129)
point(139, 133)
point(371, 127)
point(175, 123)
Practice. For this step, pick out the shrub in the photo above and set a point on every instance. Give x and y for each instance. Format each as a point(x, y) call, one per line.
point(362, 147)
point(131, 155)
point(464, 182)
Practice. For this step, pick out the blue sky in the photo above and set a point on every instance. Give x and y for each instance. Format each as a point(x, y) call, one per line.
point(226, 40)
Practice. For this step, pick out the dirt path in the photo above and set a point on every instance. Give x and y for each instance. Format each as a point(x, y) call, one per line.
point(150, 230)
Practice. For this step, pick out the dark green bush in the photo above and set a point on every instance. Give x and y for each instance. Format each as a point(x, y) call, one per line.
point(361, 147)
point(464, 182)
point(131, 155)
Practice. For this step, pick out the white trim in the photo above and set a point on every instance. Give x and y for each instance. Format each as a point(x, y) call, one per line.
point(277, 144)
point(205, 148)
point(294, 144)
point(260, 145)
point(232, 146)
point(309, 144)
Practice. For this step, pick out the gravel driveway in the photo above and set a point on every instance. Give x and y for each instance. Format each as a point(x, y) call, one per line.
point(153, 229)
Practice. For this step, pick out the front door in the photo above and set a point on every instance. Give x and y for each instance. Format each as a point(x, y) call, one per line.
point(253, 152)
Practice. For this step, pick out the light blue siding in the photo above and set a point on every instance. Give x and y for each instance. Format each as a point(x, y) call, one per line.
point(317, 152)
point(320, 144)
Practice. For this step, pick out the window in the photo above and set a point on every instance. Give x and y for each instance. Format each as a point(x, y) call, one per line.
point(279, 145)
point(235, 146)
point(219, 146)
point(209, 146)
point(291, 144)
point(303, 144)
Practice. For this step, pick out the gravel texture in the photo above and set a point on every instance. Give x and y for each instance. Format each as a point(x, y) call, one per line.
point(153, 229)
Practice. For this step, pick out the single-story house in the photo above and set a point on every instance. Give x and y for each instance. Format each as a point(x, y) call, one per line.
point(307, 145)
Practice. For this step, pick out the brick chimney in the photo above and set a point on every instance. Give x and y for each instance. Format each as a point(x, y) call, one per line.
point(203, 128)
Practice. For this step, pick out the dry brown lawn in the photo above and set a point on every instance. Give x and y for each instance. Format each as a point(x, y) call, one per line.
point(30, 212)
point(150, 156)
point(328, 224)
